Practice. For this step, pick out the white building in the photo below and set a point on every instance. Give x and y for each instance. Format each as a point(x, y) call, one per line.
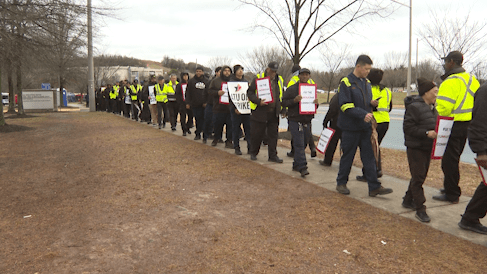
point(110, 75)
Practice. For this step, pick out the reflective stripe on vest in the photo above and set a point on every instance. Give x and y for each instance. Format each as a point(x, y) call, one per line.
point(463, 103)
point(135, 90)
point(280, 82)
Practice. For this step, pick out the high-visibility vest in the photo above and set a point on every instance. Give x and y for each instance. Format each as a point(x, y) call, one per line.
point(135, 90)
point(281, 84)
point(169, 90)
point(161, 96)
point(456, 96)
point(382, 113)
point(295, 79)
point(113, 93)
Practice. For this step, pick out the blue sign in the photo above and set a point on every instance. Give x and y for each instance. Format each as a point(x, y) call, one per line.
point(46, 86)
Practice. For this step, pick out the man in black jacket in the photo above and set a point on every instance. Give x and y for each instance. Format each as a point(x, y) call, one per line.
point(196, 100)
point(419, 133)
point(181, 99)
point(221, 111)
point(477, 138)
point(299, 124)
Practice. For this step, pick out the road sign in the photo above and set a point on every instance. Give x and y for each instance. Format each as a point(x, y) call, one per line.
point(46, 86)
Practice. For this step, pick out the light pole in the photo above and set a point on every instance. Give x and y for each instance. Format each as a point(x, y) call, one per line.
point(410, 40)
point(91, 76)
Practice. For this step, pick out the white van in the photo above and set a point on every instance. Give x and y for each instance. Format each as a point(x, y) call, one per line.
point(5, 99)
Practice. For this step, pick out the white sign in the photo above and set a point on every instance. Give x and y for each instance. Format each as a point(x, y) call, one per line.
point(443, 129)
point(128, 98)
point(183, 89)
point(308, 92)
point(264, 90)
point(325, 138)
point(224, 99)
point(238, 94)
point(152, 97)
point(39, 99)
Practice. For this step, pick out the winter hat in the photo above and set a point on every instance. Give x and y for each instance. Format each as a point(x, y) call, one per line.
point(237, 67)
point(424, 85)
point(375, 76)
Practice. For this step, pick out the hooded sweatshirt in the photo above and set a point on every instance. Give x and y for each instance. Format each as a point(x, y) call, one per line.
point(179, 90)
point(215, 86)
point(195, 92)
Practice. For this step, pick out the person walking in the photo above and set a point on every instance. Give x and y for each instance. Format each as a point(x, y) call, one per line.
point(299, 124)
point(419, 133)
point(355, 101)
point(161, 98)
point(181, 100)
point(331, 120)
point(135, 89)
point(265, 114)
point(455, 99)
point(209, 119)
point(196, 101)
point(172, 105)
point(239, 119)
point(221, 110)
point(381, 113)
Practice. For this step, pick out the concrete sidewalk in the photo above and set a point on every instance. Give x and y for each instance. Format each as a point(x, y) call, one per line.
point(444, 216)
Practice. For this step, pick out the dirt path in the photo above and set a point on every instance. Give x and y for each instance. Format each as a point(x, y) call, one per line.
point(96, 193)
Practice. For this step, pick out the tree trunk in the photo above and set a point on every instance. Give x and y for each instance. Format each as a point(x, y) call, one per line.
point(11, 93)
point(297, 53)
point(19, 83)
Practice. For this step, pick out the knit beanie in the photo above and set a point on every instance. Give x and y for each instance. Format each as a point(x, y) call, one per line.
point(424, 85)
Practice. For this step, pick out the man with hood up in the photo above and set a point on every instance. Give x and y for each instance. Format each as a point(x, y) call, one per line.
point(181, 100)
point(196, 101)
point(238, 118)
point(221, 111)
point(209, 119)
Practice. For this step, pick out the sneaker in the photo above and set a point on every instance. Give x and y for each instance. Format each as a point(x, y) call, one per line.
point(473, 226)
point(442, 190)
point(379, 174)
point(253, 157)
point(443, 198)
point(342, 189)
point(237, 151)
point(361, 178)
point(173, 129)
point(408, 205)
point(164, 125)
point(304, 172)
point(275, 160)
point(214, 142)
point(184, 133)
point(380, 191)
point(313, 153)
point(197, 137)
point(322, 162)
point(204, 141)
point(189, 131)
point(290, 154)
point(228, 144)
point(422, 216)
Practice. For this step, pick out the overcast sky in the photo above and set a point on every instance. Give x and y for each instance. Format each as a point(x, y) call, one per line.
point(199, 30)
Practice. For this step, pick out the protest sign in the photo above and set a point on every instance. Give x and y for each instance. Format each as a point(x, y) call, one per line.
point(224, 98)
point(308, 94)
point(238, 95)
point(264, 90)
point(443, 129)
point(325, 138)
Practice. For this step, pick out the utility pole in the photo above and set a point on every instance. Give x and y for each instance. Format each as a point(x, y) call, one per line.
point(91, 76)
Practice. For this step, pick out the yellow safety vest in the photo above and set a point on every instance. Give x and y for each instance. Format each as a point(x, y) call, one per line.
point(456, 96)
point(382, 113)
point(161, 96)
point(169, 89)
point(295, 79)
point(113, 93)
point(280, 82)
point(135, 90)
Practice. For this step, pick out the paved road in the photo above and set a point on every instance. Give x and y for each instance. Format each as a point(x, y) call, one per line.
point(394, 137)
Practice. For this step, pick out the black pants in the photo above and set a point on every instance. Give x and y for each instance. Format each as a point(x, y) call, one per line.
point(173, 109)
point(135, 110)
point(190, 118)
point(477, 207)
point(161, 108)
point(310, 142)
point(258, 130)
point(182, 117)
point(332, 146)
point(451, 159)
point(199, 115)
point(419, 163)
point(126, 110)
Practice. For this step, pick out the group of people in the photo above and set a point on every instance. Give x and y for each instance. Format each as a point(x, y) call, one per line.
point(358, 113)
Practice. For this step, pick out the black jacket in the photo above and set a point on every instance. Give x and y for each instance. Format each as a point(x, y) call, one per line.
point(332, 114)
point(195, 92)
point(418, 118)
point(260, 112)
point(215, 86)
point(477, 130)
point(293, 107)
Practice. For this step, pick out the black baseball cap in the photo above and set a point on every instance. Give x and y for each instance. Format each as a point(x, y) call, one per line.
point(454, 55)
point(273, 65)
point(304, 70)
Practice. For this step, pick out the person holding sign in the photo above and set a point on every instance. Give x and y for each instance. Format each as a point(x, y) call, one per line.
point(355, 101)
point(180, 99)
point(419, 133)
point(265, 94)
point(477, 138)
point(455, 99)
point(299, 121)
point(218, 90)
point(239, 107)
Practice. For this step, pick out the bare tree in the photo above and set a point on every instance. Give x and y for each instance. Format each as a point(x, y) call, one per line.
point(302, 25)
point(257, 59)
point(444, 34)
point(218, 61)
point(333, 62)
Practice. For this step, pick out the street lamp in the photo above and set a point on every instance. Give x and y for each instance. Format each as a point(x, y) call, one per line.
point(410, 40)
